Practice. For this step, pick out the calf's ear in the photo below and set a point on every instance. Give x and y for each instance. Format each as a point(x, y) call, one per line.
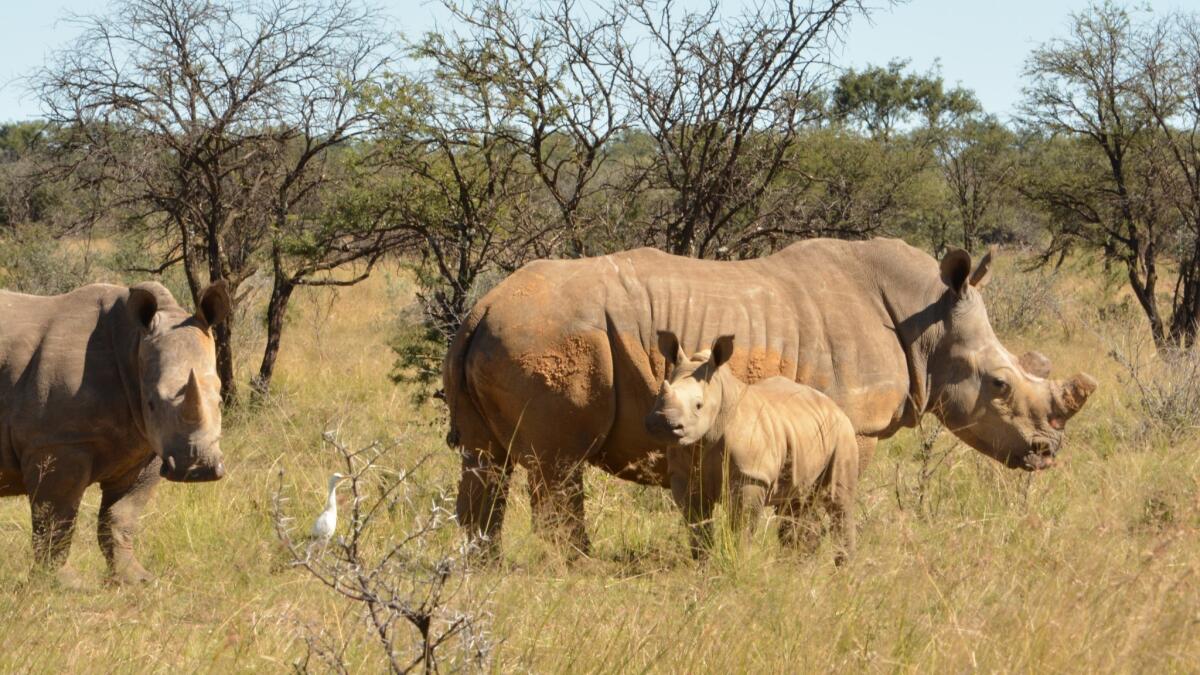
point(142, 306)
point(668, 346)
point(214, 304)
point(722, 350)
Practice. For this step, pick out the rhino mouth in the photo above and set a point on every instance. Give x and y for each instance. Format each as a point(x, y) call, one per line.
point(190, 470)
point(1040, 456)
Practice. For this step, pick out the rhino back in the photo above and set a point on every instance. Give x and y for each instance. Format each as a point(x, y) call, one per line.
point(60, 382)
point(809, 314)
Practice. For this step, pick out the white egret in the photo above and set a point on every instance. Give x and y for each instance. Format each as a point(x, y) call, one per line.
point(326, 523)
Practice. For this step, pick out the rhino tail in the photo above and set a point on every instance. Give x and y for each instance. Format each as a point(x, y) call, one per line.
point(467, 426)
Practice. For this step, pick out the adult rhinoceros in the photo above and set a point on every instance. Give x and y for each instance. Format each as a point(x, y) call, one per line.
point(108, 385)
point(558, 365)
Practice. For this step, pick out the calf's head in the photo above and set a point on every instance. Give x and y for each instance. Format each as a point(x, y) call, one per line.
point(1005, 407)
point(690, 397)
point(180, 389)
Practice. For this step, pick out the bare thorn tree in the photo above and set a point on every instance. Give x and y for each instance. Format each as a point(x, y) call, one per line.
point(723, 101)
point(411, 585)
point(555, 69)
point(209, 121)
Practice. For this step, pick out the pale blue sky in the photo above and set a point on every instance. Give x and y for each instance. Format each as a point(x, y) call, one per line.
point(981, 44)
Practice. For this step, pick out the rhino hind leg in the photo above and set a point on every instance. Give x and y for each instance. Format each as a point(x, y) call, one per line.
point(550, 409)
point(556, 497)
point(121, 504)
point(482, 499)
point(55, 486)
point(799, 527)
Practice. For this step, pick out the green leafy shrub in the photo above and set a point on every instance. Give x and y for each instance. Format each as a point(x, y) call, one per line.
point(33, 261)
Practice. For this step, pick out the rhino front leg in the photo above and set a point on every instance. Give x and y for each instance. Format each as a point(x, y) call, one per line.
point(691, 506)
point(843, 488)
point(55, 485)
point(121, 505)
point(866, 451)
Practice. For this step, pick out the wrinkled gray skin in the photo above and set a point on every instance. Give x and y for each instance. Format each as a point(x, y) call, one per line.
point(775, 442)
point(109, 385)
point(557, 366)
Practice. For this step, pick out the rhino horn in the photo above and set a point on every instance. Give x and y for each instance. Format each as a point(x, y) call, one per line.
point(193, 400)
point(1071, 395)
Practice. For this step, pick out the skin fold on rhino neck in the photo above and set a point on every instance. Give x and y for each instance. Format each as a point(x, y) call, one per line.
point(917, 317)
point(126, 347)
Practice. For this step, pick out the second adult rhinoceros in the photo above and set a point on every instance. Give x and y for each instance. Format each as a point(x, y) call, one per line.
point(558, 365)
point(108, 385)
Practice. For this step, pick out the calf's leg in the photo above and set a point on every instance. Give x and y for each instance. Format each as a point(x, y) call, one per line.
point(799, 527)
point(698, 517)
point(121, 504)
point(696, 508)
point(748, 496)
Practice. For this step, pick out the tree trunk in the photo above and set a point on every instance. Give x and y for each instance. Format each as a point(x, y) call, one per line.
point(281, 293)
point(1144, 292)
point(224, 339)
point(1185, 319)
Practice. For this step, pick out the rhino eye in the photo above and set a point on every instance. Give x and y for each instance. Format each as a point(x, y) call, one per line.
point(699, 405)
point(1000, 385)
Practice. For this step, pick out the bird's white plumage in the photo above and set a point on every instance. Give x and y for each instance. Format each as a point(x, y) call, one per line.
point(326, 523)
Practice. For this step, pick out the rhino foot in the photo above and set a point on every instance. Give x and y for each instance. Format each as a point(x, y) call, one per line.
point(65, 577)
point(132, 574)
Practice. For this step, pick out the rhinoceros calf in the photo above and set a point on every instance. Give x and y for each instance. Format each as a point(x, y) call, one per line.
point(556, 366)
point(774, 442)
point(108, 385)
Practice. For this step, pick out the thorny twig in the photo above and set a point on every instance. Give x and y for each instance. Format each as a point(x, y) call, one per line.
point(409, 581)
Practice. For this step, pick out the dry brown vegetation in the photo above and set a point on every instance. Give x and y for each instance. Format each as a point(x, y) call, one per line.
point(1092, 566)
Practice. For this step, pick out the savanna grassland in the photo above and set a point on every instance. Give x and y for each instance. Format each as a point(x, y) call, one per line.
point(962, 564)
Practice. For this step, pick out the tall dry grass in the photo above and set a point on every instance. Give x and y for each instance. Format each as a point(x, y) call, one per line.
point(1092, 566)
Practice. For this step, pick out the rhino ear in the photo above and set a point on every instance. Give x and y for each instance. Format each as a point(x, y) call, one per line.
point(142, 306)
point(1035, 364)
point(983, 271)
point(668, 346)
point(956, 270)
point(214, 304)
point(722, 349)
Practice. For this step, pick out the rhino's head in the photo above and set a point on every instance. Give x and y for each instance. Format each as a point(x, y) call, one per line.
point(180, 389)
point(689, 399)
point(1005, 407)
